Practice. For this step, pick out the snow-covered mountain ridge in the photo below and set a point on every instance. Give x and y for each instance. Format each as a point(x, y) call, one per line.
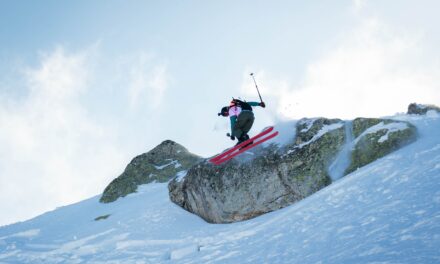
point(385, 212)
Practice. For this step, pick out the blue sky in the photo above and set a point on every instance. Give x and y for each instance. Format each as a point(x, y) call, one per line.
point(87, 85)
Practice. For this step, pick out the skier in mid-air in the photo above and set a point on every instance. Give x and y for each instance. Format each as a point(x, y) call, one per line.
point(241, 117)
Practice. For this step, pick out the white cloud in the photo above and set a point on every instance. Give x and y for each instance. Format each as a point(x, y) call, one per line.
point(358, 5)
point(60, 77)
point(147, 82)
point(374, 70)
point(52, 153)
point(372, 73)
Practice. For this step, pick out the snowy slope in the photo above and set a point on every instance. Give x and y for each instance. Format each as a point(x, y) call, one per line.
point(386, 212)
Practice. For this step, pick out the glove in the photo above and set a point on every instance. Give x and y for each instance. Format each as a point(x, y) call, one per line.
point(262, 104)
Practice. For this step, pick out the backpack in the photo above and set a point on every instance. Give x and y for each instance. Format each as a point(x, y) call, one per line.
point(243, 105)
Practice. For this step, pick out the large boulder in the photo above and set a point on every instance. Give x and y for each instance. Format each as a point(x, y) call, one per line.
point(158, 165)
point(375, 138)
point(420, 109)
point(274, 176)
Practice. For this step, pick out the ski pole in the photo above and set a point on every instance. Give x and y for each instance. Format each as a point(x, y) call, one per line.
point(252, 74)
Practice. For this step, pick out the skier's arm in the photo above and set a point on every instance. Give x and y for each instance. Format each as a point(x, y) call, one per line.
point(262, 104)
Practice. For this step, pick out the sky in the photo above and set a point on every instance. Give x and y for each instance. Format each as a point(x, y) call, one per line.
point(85, 86)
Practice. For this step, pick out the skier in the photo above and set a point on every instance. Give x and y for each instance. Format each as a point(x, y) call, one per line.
point(241, 117)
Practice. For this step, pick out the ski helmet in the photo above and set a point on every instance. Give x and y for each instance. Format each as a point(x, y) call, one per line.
point(224, 111)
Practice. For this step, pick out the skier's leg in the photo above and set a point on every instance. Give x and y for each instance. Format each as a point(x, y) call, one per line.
point(249, 121)
point(244, 123)
point(238, 127)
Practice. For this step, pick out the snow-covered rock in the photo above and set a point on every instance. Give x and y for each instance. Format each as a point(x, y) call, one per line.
point(158, 165)
point(271, 178)
point(375, 138)
point(421, 109)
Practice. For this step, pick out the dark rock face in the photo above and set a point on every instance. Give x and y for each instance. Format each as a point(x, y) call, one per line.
point(160, 165)
point(419, 109)
point(376, 138)
point(276, 177)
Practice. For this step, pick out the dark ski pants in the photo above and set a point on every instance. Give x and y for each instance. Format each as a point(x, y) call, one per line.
point(243, 124)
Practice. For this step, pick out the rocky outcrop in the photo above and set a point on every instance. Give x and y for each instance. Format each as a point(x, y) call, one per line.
point(271, 179)
point(420, 109)
point(268, 177)
point(375, 138)
point(274, 177)
point(158, 165)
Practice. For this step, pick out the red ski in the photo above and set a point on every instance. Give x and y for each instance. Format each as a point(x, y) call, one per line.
point(244, 146)
point(229, 151)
